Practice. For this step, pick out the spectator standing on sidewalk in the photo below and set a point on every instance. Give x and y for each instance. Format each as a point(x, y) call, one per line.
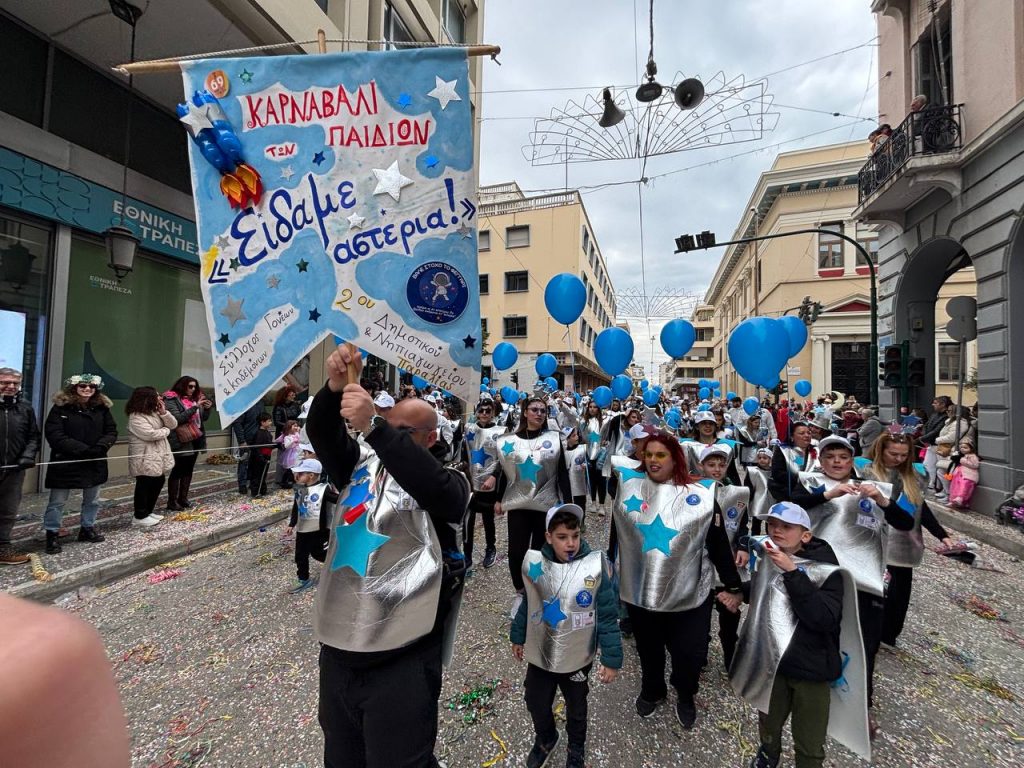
point(930, 434)
point(286, 408)
point(245, 428)
point(80, 430)
point(18, 450)
point(186, 402)
point(149, 453)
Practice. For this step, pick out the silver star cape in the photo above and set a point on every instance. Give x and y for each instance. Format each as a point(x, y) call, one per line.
point(522, 492)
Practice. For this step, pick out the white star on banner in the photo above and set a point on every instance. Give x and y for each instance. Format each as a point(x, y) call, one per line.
point(444, 91)
point(196, 119)
point(355, 221)
point(390, 181)
point(233, 311)
point(287, 172)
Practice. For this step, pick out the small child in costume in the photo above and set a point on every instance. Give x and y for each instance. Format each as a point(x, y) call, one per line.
point(965, 476)
point(312, 509)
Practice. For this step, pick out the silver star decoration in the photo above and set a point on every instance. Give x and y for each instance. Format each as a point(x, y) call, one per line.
point(196, 119)
point(273, 281)
point(287, 172)
point(355, 221)
point(233, 311)
point(221, 242)
point(390, 181)
point(444, 91)
point(464, 230)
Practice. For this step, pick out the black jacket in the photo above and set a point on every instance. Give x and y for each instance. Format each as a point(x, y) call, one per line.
point(932, 427)
point(813, 653)
point(19, 434)
point(246, 425)
point(283, 414)
point(77, 432)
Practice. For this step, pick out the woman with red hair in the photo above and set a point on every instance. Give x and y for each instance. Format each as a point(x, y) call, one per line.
point(670, 534)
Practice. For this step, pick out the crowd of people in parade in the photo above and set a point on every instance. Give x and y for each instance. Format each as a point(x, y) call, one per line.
point(823, 498)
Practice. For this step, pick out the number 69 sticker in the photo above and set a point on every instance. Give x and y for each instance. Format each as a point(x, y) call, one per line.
point(217, 83)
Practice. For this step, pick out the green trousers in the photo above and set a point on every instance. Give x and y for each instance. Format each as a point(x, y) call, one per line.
point(808, 702)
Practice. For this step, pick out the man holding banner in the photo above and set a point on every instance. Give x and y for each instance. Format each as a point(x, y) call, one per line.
point(390, 589)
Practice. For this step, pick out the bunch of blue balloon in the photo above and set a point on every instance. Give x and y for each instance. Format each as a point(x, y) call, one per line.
point(622, 387)
point(565, 296)
point(759, 348)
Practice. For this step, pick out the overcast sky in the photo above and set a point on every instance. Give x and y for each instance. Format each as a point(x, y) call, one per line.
point(587, 44)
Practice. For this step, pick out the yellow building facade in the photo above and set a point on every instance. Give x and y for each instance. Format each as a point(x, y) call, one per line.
point(524, 242)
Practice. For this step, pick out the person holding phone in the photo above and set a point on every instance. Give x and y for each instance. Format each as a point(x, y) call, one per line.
point(188, 405)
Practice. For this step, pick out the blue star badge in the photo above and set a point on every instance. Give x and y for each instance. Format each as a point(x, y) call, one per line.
point(479, 456)
point(657, 535)
point(355, 545)
point(536, 570)
point(507, 448)
point(528, 469)
point(633, 504)
point(553, 615)
point(403, 100)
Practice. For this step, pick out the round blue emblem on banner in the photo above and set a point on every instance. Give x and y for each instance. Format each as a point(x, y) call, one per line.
point(865, 505)
point(546, 444)
point(584, 598)
point(314, 496)
point(437, 292)
point(693, 499)
point(732, 512)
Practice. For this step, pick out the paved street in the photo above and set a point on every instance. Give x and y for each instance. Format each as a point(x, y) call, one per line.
point(217, 666)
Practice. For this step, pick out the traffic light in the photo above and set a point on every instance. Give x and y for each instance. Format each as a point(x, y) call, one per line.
point(915, 372)
point(804, 310)
point(706, 240)
point(515, 378)
point(815, 310)
point(893, 367)
point(684, 244)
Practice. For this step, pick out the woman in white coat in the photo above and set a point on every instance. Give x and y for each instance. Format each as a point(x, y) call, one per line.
point(149, 452)
point(946, 444)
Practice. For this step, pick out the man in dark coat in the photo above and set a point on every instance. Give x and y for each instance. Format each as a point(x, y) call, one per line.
point(19, 444)
point(80, 430)
point(244, 429)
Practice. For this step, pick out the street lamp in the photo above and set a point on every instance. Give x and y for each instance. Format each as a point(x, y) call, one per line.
point(705, 240)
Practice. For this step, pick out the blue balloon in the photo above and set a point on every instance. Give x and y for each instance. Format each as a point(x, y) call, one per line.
point(644, 384)
point(492, 391)
point(704, 393)
point(750, 406)
point(546, 365)
point(717, 393)
point(651, 397)
point(796, 331)
point(677, 337)
point(602, 396)
point(613, 350)
point(730, 396)
point(802, 387)
point(483, 387)
point(551, 383)
point(673, 419)
point(565, 296)
point(622, 386)
point(702, 382)
point(758, 348)
point(714, 384)
point(509, 395)
point(703, 407)
point(504, 356)
point(485, 380)
point(419, 383)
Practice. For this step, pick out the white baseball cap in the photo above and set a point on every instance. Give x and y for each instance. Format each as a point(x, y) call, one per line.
point(576, 509)
point(716, 449)
point(833, 442)
point(700, 416)
point(787, 512)
point(308, 447)
point(638, 432)
point(384, 400)
point(308, 465)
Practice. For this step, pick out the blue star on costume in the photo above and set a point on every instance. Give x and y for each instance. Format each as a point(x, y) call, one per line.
point(355, 545)
point(469, 436)
point(593, 437)
point(633, 504)
point(536, 570)
point(507, 447)
point(528, 469)
point(707, 482)
point(479, 456)
point(360, 473)
point(357, 494)
point(657, 535)
point(553, 612)
point(625, 473)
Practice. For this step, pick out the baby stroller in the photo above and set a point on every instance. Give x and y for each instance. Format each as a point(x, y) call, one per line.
point(1011, 510)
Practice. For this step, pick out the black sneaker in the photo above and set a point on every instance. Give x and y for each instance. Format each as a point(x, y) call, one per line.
point(646, 708)
point(626, 627)
point(574, 758)
point(53, 543)
point(761, 760)
point(540, 753)
point(243, 491)
point(686, 712)
point(91, 535)
point(489, 556)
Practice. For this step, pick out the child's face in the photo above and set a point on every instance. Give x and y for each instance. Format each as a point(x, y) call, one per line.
point(294, 429)
point(707, 428)
point(714, 467)
point(266, 424)
point(572, 440)
point(763, 461)
point(966, 448)
point(787, 536)
point(306, 478)
point(837, 463)
point(564, 541)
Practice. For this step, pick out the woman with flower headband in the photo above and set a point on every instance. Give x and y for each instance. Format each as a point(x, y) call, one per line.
point(892, 460)
point(80, 430)
point(670, 535)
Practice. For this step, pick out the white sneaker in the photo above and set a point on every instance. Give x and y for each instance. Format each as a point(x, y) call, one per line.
point(145, 522)
point(158, 517)
point(516, 602)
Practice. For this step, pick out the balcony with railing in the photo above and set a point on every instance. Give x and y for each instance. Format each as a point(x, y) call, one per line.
point(921, 154)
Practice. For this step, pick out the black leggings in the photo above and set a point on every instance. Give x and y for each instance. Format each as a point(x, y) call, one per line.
point(147, 491)
point(184, 464)
point(482, 503)
point(684, 634)
point(598, 485)
point(525, 531)
point(897, 602)
point(871, 612)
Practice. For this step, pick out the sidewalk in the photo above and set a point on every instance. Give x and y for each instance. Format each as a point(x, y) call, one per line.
point(220, 513)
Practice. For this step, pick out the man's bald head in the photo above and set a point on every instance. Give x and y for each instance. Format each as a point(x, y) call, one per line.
point(418, 416)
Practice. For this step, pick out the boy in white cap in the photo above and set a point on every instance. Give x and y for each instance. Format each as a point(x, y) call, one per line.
point(571, 608)
point(787, 671)
point(312, 509)
point(383, 403)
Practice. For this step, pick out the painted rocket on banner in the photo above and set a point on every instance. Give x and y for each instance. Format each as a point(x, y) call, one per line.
point(335, 195)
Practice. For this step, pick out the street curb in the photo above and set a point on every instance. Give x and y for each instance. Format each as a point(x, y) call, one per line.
point(105, 571)
point(962, 522)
